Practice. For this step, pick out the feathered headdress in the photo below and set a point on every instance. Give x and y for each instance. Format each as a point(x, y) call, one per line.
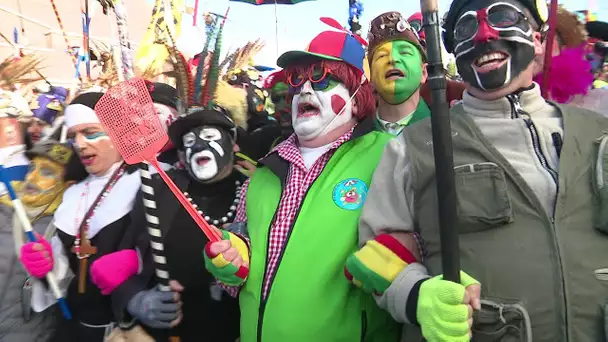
point(241, 60)
point(570, 75)
point(153, 51)
point(18, 70)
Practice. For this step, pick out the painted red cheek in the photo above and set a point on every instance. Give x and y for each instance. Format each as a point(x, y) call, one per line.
point(337, 103)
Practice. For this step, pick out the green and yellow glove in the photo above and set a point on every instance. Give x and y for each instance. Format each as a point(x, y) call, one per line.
point(224, 270)
point(374, 267)
point(441, 312)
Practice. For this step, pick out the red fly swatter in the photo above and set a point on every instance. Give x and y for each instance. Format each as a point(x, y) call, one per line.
point(127, 113)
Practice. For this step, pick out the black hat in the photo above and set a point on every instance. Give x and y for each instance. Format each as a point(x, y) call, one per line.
point(164, 94)
point(89, 99)
point(53, 150)
point(198, 117)
point(597, 29)
point(538, 8)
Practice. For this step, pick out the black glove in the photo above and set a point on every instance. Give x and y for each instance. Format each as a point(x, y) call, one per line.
point(154, 308)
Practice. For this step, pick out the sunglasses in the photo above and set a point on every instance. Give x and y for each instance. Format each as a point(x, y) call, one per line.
point(500, 16)
point(319, 77)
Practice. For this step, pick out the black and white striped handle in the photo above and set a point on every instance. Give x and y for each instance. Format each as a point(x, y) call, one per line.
point(156, 239)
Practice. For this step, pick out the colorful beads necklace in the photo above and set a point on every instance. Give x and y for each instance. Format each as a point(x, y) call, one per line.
point(89, 215)
point(82, 247)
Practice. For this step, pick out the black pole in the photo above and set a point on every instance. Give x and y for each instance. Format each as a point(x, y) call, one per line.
point(442, 144)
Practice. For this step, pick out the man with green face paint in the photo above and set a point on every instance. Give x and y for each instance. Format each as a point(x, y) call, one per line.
point(398, 70)
point(276, 83)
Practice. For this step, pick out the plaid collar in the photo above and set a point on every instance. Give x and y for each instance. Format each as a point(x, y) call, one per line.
point(289, 149)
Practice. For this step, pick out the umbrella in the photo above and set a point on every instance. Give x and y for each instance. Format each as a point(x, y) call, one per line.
point(276, 17)
point(271, 2)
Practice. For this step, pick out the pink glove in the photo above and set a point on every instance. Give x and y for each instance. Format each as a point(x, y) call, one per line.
point(113, 269)
point(37, 257)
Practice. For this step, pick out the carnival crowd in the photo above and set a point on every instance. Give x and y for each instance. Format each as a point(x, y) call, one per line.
point(322, 171)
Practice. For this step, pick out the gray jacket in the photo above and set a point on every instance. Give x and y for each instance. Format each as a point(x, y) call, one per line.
point(17, 324)
point(525, 155)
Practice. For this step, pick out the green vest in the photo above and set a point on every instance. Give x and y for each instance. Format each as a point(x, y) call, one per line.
point(546, 265)
point(310, 299)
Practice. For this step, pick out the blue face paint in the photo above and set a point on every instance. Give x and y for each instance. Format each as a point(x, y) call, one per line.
point(91, 137)
point(96, 135)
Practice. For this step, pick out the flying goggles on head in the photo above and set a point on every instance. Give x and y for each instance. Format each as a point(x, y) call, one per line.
point(500, 16)
point(537, 8)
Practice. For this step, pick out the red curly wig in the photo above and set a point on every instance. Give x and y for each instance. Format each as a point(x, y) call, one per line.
point(350, 77)
point(274, 78)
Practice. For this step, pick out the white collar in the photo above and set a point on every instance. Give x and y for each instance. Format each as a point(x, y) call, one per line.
point(117, 203)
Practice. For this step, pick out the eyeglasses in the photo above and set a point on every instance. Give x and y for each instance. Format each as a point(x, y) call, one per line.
point(499, 15)
point(319, 77)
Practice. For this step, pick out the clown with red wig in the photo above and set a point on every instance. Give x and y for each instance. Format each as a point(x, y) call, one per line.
point(297, 220)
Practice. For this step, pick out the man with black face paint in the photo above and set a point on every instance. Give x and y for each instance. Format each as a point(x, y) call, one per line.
point(531, 186)
point(206, 143)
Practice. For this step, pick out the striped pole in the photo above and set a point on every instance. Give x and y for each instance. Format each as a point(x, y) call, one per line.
point(156, 239)
point(65, 36)
point(150, 208)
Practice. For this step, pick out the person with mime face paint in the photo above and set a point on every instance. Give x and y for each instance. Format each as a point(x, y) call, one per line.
point(531, 185)
point(206, 143)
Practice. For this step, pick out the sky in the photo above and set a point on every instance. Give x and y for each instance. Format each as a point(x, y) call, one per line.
point(298, 24)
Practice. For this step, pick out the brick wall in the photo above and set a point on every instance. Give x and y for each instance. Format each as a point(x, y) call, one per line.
point(43, 36)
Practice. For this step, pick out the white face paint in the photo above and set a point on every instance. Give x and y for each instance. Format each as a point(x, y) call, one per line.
point(203, 164)
point(166, 115)
point(315, 113)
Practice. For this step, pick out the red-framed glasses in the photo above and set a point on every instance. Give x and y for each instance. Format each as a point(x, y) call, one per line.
point(315, 75)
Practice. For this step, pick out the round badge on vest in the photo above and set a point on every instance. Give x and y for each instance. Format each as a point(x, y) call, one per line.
point(350, 194)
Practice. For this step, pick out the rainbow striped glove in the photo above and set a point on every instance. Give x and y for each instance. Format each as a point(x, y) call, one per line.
point(440, 311)
point(224, 270)
point(374, 267)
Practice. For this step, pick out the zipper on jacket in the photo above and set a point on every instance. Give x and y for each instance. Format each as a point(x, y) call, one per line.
point(265, 299)
point(517, 111)
point(262, 299)
point(363, 325)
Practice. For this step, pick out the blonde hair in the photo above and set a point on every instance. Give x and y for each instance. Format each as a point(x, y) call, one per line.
point(233, 100)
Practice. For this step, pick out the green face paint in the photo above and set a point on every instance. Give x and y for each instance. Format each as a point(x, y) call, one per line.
point(396, 71)
point(278, 95)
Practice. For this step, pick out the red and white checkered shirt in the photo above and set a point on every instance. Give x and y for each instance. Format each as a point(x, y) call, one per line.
point(298, 181)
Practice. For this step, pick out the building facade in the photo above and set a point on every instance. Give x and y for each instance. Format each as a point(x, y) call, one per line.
point(34, 25)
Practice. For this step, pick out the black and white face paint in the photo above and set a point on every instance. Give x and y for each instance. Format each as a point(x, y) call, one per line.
point(208, 152)
point(494, 43)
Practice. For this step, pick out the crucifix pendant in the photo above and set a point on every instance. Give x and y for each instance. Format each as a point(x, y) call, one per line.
point(83, 252)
